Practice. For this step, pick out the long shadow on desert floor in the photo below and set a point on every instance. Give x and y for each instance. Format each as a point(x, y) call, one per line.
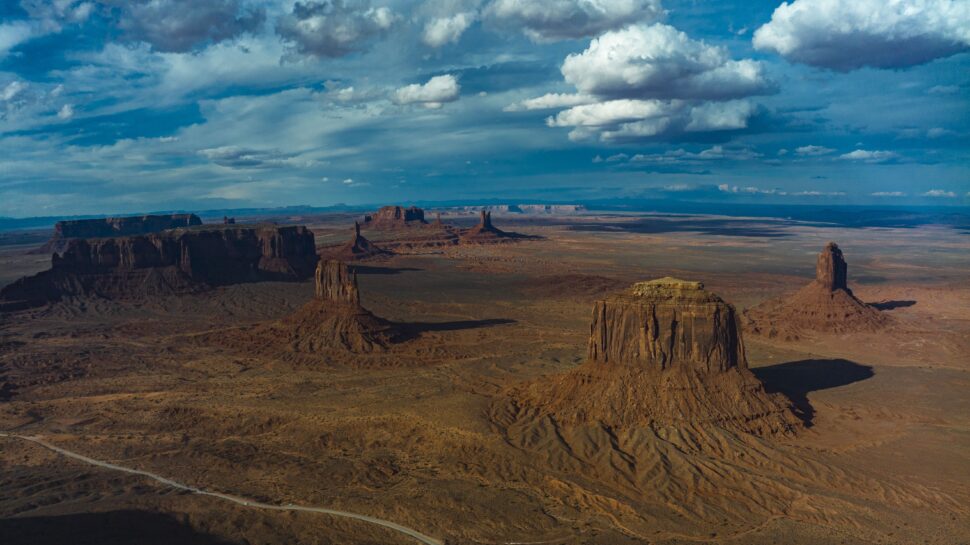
point(891, 305)
point(373, 269)
point(797, 379)
point(127, 527)
point(415, 329)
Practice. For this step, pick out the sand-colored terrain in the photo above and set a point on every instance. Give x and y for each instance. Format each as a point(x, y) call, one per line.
point(185, 387)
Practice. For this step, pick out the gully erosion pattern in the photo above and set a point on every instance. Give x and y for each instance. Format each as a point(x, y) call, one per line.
point(419, 537)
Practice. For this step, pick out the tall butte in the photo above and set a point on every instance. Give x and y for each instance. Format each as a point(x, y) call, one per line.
point(824, 305)
point(663, 353)
point(335, 317)
point(357, 248)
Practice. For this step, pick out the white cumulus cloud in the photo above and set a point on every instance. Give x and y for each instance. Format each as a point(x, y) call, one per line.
point(433, 94)
point(443, 30)
point(659, 61)
point(940, 193)
point(845, 35)
point(813, 151)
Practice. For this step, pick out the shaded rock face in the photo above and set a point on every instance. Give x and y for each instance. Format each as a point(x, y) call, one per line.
point(665, 324)
point(115, 227)
point(662, 353)
point(335, 283)
point(825, 305)
point(389, 217)
point(831, 270)
point(173, 261)
point(334, 319)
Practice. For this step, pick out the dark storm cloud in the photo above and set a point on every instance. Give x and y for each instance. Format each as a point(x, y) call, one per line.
point(183, 25)
point(333, 28)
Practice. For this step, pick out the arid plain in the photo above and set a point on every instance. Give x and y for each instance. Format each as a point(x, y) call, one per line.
point(182, 386)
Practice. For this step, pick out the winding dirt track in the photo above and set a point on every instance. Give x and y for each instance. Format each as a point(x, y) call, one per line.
point(419, 537)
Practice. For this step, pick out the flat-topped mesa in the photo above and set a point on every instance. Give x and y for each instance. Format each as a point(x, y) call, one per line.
point(336, 284)
point(667, 324)
point(391, 217)
point(831, 270)
point(662, 353)
point(172, 261)
point(115, 227)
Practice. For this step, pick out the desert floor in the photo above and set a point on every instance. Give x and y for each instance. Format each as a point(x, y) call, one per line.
point(160, 385)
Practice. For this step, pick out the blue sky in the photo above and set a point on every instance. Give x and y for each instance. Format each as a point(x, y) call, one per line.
point(112, 106)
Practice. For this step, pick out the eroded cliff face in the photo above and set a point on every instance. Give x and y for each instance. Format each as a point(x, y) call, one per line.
point(825, 305)
point(664, 324)
point(173, 261)
point(831, 270)
point(335, 283)
point(662, 354)
point(115, 227)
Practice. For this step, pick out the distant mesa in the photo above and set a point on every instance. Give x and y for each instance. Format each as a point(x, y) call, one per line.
point(356, 249)
point(395, 217)
point(335, 318)
point(663, 353)
point(173, 261)
point(64, 231)
point(527, 209)
point(825, 305)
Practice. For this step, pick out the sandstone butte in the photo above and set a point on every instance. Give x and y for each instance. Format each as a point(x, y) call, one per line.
point(485, 232)
point(114, 227)
point(824, 305)
point(663, 353)
point(172, 261)
point(357, 248)
point(334, 318)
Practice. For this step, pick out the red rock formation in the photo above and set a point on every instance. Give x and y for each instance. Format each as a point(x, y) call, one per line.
point(334, 318)
point(114, 227)
point(486, 233)
point(665, 352)
point(175, 260)
point(824, 305)
point(396, 217)
point(356, 249)
point(831, 270)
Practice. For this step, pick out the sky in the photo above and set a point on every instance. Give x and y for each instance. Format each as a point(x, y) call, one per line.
point(115, 106)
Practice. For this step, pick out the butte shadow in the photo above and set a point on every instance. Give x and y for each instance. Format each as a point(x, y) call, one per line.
point(797, 379)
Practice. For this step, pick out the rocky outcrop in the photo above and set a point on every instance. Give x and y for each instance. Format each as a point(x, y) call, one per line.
point(173, 261)
point(356, 249)
point(396, 217)
point(662, 353)
point(486, 233)
point(335, 318)
point(64, 231)
point(825, 305)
